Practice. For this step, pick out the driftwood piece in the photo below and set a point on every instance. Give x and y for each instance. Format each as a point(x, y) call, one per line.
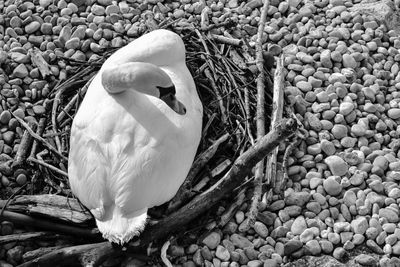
point(38, 61)
point(49, 225)
point(27, 237)
point(39, 138)
point(24, 147)
point(259, 170)
point(184, 193)
point(277, 112)
point(33, 254)
point(53, 206)
point(86, 255)
point(227, 40)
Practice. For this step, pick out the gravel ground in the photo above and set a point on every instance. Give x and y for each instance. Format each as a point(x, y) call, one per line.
point(342, 80)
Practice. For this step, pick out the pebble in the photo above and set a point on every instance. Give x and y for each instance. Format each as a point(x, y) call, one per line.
point(212, 240)
point(292, 246)
point(331, 186)
point(337, 165)
point(297, 198)
point(389, 214)
point(299, 225)
point(365, 260)
point(240, 241)
point(339, 131)
point(339, 253)
point(222, 253)
point(261, 229)
point(359, 225)
point(394, 113)
point(32, 27)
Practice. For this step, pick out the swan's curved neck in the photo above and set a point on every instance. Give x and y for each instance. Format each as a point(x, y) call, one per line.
point(142, 77)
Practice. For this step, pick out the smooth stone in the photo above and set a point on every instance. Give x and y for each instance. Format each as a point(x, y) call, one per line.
point(339, 131)
point(292, 246)
point(212, 240)
point(298, 226)
point(261, 229)
point(394, 113)
point(240, 241)
point(297, 198)
point(339, 253)
point(365, 260)
point(331, 186)
point(313, 247)
point(337, 165)
point(389, 214)
point(222, 253)
point(359, 225)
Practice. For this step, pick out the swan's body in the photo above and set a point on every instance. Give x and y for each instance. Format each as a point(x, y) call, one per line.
point(129, 150)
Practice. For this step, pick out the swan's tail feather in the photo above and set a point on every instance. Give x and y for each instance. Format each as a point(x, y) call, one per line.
point(121, 228)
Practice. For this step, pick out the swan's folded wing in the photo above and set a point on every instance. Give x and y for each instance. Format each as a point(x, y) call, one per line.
point(87, 171)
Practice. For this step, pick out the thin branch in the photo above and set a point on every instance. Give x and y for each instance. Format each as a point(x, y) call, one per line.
point(277, 112)
point(46, 165)
point(259, 171)
point(24, 146)
point(39, 138)
point(39, 132)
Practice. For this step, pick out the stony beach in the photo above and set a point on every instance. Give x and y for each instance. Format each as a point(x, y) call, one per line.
point(342, 62)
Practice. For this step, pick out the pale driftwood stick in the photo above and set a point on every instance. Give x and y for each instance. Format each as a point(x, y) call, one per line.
point(46, 165)
point(33, 254)
point(229, 213)
point(27, 237)
point(259, 171)
point(227, 40)
point(277, 112)
point(39, 138)
point(201, 203)
point(39, 132)
point(184, 192)
point(86, 255)
point(48, 205)
point(24, 146)
point(50, 225)
point(38, 60)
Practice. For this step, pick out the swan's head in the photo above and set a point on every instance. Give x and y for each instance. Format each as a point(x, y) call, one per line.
point(142, 77)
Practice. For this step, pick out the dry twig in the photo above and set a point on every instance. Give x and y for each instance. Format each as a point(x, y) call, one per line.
point(277, 113)
point(259, 170)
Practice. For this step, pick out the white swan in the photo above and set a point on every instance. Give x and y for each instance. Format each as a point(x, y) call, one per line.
point(135, 135)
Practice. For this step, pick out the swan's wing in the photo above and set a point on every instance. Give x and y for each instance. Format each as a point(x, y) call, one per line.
point(87, 171)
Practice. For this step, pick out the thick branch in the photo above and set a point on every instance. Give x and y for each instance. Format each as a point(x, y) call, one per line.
point(27, 237)
point(86, 255)
point(49, 225)
point(54, 206)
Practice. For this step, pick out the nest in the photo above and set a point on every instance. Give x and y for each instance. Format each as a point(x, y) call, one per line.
point(226, 86)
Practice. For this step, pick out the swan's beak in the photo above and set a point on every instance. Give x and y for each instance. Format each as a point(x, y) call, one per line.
point(174, 103)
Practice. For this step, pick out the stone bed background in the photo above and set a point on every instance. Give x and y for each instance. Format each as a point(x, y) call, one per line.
point(342, 80)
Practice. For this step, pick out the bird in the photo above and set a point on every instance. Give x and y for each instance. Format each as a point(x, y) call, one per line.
point(135, 134)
